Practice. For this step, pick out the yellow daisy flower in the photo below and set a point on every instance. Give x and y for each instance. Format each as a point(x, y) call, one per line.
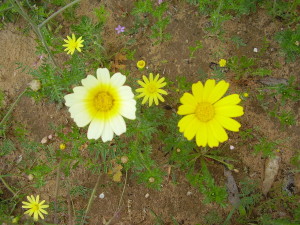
point(62, 146)
point(222, 63)
point(35, 207)
point(73, 44)
point(141, 64)
point(102, 102)
point(151, 89)
point(206, 113)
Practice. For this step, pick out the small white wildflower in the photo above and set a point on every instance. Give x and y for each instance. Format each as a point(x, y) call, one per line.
point(101, 195)
point(231, 147)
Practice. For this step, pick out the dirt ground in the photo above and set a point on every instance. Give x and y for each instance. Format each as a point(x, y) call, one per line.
point(170, 59)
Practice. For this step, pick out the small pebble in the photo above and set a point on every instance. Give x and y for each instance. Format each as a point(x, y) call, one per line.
point(30, 177)
point(255, 49)
point(50, 136)
point(101, 195)
point(189, 193)
point(44, 140)
point(231, 147)
point(147, 195)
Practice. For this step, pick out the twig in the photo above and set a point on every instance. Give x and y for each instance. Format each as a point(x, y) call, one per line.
point(69, 210)
point(57, 12)
point(7, 186)
point(91, 200)
point(119, 206)
point(11, 108)
point(56, 193)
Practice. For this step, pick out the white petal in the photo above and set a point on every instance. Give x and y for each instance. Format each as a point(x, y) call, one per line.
point(90, 81)
point(82, 119)
point(71, 99)
point(118, 79)
point(125, 92)
point(103, 75)
point(108, 133)
point(95, 129)
point(128, 109)
point(80, 90)
point(118, 125)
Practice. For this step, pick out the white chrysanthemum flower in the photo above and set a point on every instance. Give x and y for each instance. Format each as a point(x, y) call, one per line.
point(102, 102)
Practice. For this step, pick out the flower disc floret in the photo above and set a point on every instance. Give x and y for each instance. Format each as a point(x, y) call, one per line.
point(151, 89)
point(207, 114)
point(35, 207)
point(102, 103)
point(72, 44)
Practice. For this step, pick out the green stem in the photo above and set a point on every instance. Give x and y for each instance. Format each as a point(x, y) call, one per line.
point(91, 199)
point(56, 193)
point(36, 28)
point(7, 186)
point(229, 166)
point(11, 109)
point(57, 12)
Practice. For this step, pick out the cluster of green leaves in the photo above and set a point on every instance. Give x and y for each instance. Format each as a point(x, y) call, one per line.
point(206, 184)
point(245, 66)
point(160, 20)
point(289, 41)
point(285, 94)
point(221, 11)
point(286, 11)
point(266, 147)
point(142, 132)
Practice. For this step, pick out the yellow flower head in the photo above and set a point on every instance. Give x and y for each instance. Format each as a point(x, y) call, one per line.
point(73, 44)
point(35, 207)
point(245, 94)
point(62, 146)
point(222, 63)
point(141, 64)
point(102, 102)
point(151, 89)
point(206, 113)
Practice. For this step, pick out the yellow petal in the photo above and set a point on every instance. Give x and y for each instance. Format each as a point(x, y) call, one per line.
point(192, 129)
point(160, 97)
point(228, 123)
point(145, 79)
point(211, 139)
point(185, 122)
point(218, 131)
point(218, 92)
point(156, 78)
point(161, 80)
point(208, 88)
point(197, 90)
point(229, 111)
point(145, 99)
point(150, 100)
point(201, 136)
point(141, 83)
point(186, 109)
point(161, 91)
point(228, 100)
point(161, 85)
point(151, 77)
point(155, 100)
point(188, 99)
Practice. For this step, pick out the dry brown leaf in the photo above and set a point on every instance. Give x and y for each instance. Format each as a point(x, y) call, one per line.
point(271, 170)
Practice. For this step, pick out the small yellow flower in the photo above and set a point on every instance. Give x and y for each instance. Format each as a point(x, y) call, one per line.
point(73, 44)
point(151, 89)
point(245, 94)
point(141, 64)
point(35, 207)
point(222, 63)
point(62, 146)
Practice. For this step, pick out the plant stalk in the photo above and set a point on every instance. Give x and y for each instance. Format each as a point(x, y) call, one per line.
point(11, 109)
point(7, 186)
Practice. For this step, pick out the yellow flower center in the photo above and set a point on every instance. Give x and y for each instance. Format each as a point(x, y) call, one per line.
point(205, 111)
point(35, 207)
point(73, 44)
point(152, 88)
point(103, 101)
